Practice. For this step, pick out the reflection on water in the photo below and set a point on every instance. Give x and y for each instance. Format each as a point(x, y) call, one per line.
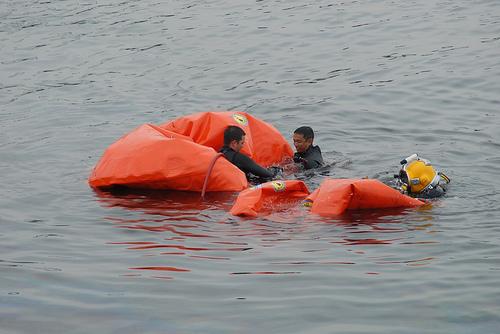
point(179, 229)
point(376, 80)
point(162, 202)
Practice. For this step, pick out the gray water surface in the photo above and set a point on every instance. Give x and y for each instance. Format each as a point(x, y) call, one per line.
point(377, 80)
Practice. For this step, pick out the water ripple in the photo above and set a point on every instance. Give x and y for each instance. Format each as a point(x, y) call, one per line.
point(376, 81)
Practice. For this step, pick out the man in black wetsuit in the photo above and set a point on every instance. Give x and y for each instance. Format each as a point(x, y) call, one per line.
point(234, 139)
point(307, 155)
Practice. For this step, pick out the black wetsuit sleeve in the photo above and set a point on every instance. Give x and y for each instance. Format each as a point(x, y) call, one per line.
point(249, 166)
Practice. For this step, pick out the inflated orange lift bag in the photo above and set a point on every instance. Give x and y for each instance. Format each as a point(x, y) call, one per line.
point(154, 158)
point(264, 144)
point(334, 196)
point(255, 200)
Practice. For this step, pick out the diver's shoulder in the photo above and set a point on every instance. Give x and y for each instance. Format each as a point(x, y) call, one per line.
point(316, 148)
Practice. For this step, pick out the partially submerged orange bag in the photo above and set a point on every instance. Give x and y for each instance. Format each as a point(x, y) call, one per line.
point(334, 196)
point(177, 155)
point(264, 144)
point(154, 158)
point(269, 196)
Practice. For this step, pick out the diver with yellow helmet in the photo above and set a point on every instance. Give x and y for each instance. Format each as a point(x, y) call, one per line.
point(418, 178)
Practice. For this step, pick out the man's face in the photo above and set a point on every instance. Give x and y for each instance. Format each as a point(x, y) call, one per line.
point(301, 144)
point(237, 146)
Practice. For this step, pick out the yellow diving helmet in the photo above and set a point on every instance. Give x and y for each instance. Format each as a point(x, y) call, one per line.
point(418, 175)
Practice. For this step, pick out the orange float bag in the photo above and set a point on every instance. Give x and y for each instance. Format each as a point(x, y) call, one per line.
point(154, 158)
point(264, 144)
point(334, 196)
point(268, 197)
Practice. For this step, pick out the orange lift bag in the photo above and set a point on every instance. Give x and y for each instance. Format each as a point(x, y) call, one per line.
point(334, 196)
point(268, 197)
point(264, 144)
point(154, 158)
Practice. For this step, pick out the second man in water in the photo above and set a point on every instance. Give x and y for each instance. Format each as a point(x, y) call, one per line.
point(307, 155)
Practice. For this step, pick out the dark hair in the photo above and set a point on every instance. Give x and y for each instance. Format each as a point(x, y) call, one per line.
point(305, 131)
point(233, 133)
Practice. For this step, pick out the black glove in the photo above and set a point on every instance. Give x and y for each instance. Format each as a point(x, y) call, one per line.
point(299, 160)
point(277, 171)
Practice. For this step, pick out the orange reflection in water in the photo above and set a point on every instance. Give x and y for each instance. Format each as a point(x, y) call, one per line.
point(379, 223)
point(184, 219)
point(164, 202)
point(192, 226)
point(367, 241)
